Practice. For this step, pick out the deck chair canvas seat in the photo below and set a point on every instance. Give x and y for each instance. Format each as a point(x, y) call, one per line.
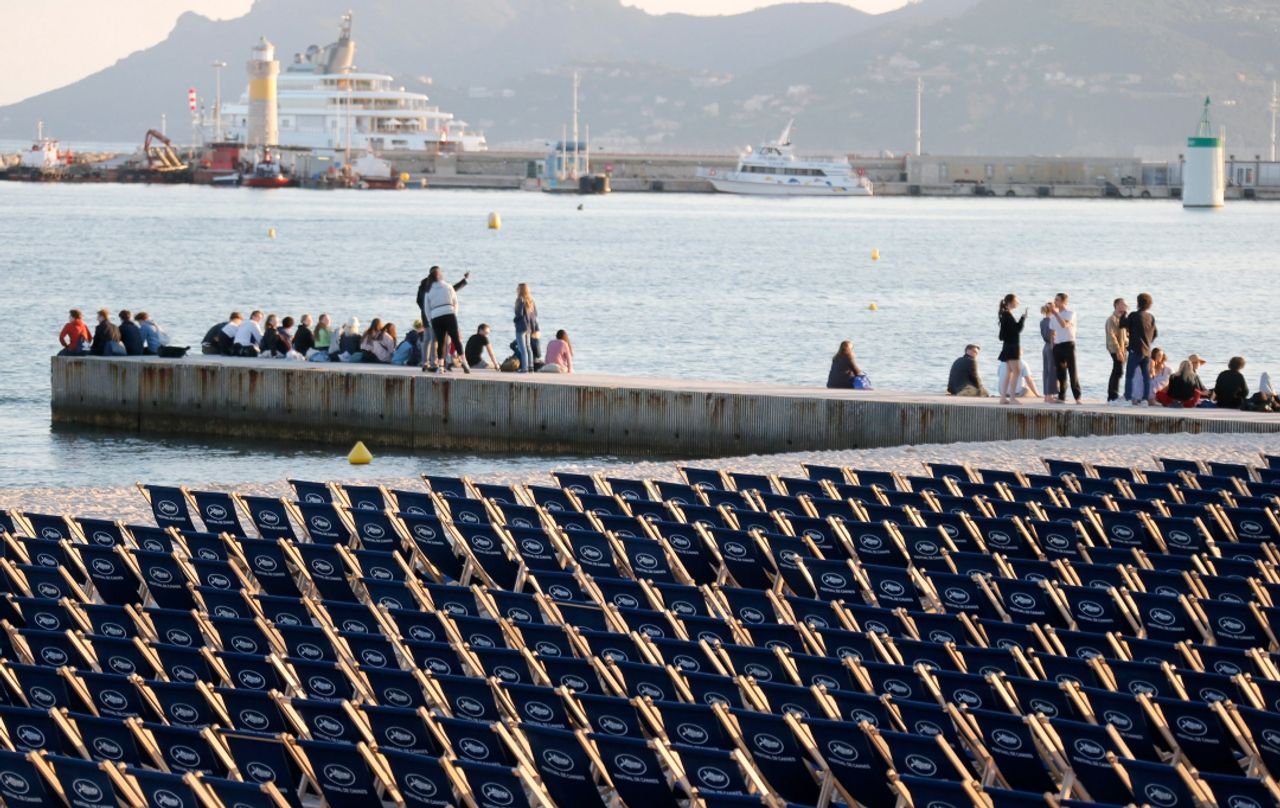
point(421, 779)
point(857, 770)
point(768, 742)
point(339, 771)
point(434, 548)
point(636, 771)
point(564, 766)
point(89, 781)
point(22, 786)
point(1158, 784)
point(168, 506)
point(30, 730)
point(925, 756)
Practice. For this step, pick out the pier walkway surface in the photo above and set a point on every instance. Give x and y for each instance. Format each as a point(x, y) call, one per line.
point(400, 407)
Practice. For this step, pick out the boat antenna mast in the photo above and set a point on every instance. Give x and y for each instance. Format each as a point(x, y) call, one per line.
point(1275, 107)
point(577, 157)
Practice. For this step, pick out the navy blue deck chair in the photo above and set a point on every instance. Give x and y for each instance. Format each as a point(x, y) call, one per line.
point(690, 549)
point(114, 655)
point(535, 705)
point(1241, 471)
point(48, 615)
point(635, 771)
point(1123, 712)
point(1012, 747)
point(547, 640)
point(270, 517)
point(208, 546)
point(468, 511)
point(835, 474)
point(250, 671)
point(563, 765)
point(311, 492)
point(432, 549)
point(281, 610)
point(1006, 536)
point(496, 565)
point(52, 648)
point(686, 656)
point(7, 524)
point(323, 680)
point(624, 593)
point(1058, 539)
point(340, 772)
point(468, 697)
point(504, 664)
point(165, 579)
point(1093, 609)
point(1236, 624)
point(610, 716)
point(375, 530)
point(264, 759)
point(622, 526)
point(307, 642)
point(518, 607)
point(168, 506)
point(648, 510)
point(326, 571)
point(711, 688)
point(184, 665)
point(109, 621)
point(1158, 784)
point(799, 486)
point(874, 543)
point(787, 699)
point(552, 499)
point(925, 756)
point(1253, 524)
point(31, 730)
point(52, 583)
point(269, 566)
point(892, 587)
point(1035, 696)
point(1247, 792)
point(477, 741)
point(512, 515)
point(246, 794)
point(1209, 688)
point(714, 771)
point(687, 724)
point(647, 560)
point(396, 688)
point(364, 497)
point(420, 779)
point(645, 680)
point(185, 749)
point(704, 479)
point(491, 785)
point(323, 721)
point(602, 505)
point(417, 503)
point(50, 527)
point(678, 493)
point(115, 696)
point(1028, 601)
point(447, 487)
point(1086, 747)
point(102, 532)
point(1193, 729)
point(1165, 618)
point(402, 730)
point(776, 753)
point(164, 789)
point(576, 482)
point(152, 539)
point(833, 580)
point(897, 681)
point(628, 489)
point(252, 710)
point(840, 643)
point(112, 577)
point(857, 769)
point(570, 522)
point(217, 511)
point(87, 780)
point(106, 739)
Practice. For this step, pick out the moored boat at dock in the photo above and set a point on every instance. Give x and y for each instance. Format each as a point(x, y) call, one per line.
point(267, 173)
point(773, 169)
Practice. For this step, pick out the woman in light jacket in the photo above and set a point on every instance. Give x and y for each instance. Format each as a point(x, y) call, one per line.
point(526, 321)
point(441, 303)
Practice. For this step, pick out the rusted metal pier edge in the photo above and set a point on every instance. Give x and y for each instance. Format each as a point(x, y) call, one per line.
point(550, 413)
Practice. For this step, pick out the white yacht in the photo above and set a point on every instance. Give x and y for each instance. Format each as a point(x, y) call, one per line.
point(774, 169)
point(323, 102)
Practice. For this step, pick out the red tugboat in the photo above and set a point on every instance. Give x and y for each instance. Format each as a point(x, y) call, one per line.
point(267, 173)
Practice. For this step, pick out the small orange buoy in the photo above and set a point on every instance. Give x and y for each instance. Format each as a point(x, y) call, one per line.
point(875, 254)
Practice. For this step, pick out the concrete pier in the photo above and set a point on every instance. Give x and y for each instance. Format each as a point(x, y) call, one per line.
point(548, 413)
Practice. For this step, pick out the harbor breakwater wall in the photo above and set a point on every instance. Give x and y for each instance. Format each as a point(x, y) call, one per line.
point(550, 413)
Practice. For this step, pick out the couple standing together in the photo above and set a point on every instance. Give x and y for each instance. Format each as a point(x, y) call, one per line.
point(1058, 328)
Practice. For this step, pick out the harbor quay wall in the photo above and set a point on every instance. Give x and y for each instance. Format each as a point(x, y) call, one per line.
point(556, 414)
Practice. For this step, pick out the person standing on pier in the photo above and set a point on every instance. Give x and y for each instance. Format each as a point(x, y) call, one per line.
point(526, 322)
point(1142, 332)
point(1010, 348)
point(1050, 367)
point(441, 302)
point(1064, 347)
point(1117, 346)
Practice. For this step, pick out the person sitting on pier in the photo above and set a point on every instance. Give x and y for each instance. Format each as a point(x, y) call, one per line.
point(1231, 390)
point(106, 337)
point(378, 343)
point(347, 345)
point(153, 336)
point(964, 379)
point(303, 339)
point(248, 338)
point(270, 345)
point(130, 334)
point(478, 346)
point(323, 335)
point(559, 354)
point(75, 338)
point(844, 368)
point(1184, 388)
point(409, 351)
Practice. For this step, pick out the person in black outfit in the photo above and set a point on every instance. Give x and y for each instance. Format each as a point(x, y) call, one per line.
point(1142, 333)
point(964, 379)
point(1010, 347)
point(303, 339)
point(1231, 390)
point(130, 334)
point(844, 368)
point(106, 337)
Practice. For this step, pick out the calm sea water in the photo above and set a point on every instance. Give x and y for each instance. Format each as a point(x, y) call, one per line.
point(682, 285)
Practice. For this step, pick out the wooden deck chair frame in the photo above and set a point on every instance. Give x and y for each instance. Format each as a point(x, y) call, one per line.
point(1048, 736)
point(828, 785)
point(970, 735)
point(216, 704)
point(147, 744)
point(1155, 717)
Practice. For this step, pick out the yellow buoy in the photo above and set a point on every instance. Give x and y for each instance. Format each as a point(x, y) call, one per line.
point(873, 307)
point(360, 455)
point(875, 254)
point(495, 221)
point(404, 176)
point(271, 232)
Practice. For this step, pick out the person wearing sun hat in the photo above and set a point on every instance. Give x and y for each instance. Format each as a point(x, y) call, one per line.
point(1185, 388)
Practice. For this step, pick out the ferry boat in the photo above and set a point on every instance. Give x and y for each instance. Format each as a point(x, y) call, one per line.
point(43, 161)
point(323, 102)
point(773, 169)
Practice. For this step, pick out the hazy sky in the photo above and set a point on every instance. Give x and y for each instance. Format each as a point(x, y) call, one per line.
point(55, 42)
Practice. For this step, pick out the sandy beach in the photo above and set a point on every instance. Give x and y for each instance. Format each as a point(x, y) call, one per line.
point(127, 504)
